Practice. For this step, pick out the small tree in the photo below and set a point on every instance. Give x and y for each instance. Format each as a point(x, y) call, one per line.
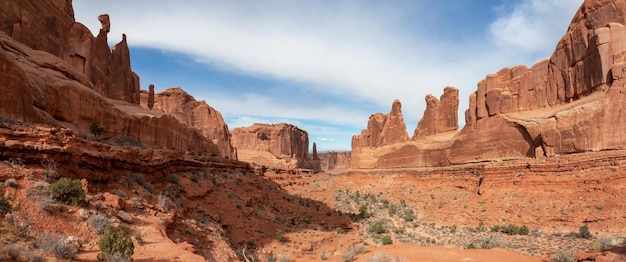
point(96, 129)
point(583, 232)
point(68, 191)
point(115, 242)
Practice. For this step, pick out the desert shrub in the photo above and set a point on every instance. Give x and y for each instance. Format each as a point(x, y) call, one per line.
point(391, 210)
point(59, 246)
point(45, 203)
point(125, 141)
point(280, 236)
point(120, 193)
point(563, 256)
point(115, 241)
point(51, 170)
point(173, 178)
point(68, 191)
point(141, 180)
point(165, 202)
point(377, 228)
point(139, 238)
point(118, 257)
point(408, 215)
point(17, 227)
point(363, 212)
point(382, 257)
point(510, 229)
point(40, 185)
point(386, 240)
point(33, 257)
point(524, 230)
point(11, 182)
point(583, 232)
point(352, 252)
point(99, 222)
point(5, 206)
point(14, 251)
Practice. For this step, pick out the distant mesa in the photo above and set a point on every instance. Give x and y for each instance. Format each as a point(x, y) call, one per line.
point(569, 103)
point(280, 146)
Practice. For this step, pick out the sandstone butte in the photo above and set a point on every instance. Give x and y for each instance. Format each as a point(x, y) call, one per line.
point(569, 103)
point(280, 146)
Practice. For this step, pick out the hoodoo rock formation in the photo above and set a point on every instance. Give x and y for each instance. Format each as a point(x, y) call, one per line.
point(383, 129)
point(198, 114)
point(72, 80)
point(569, 103)
point(281, 146)
point(440, 116)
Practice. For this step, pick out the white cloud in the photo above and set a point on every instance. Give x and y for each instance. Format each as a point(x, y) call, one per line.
point(533, 25)
point(325, 139)
point(375, 52)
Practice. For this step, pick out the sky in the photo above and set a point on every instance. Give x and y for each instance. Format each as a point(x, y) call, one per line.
point(326, 66)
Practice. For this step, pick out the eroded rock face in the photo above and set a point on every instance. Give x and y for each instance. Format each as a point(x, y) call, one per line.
point(337, 160)
point(41, 88)
point(383, 129)
point(569, 103)
point(189, 111)
point(50, 26)
point(282, 146)
point(441, 115)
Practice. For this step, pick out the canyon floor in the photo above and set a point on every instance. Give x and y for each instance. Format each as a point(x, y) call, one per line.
point(199, 208)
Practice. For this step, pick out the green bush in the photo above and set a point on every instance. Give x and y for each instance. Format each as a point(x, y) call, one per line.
point(377, 228)
point(363, 212)
point(583, 232)
point(5, 206)
point(524, 230)
point(115, 242)
point(387, 240)
point(280, 237)
point(68, 191)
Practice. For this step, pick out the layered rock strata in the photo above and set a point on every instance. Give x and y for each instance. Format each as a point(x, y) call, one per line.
point(282, 146)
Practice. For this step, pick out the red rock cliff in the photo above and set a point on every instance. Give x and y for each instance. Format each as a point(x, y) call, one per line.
point(49, 25)
point(383, 129)
point(569, 103)
point(198, 114)
point(279, 145)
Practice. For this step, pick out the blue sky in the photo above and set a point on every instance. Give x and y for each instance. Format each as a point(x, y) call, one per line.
point(326, 66)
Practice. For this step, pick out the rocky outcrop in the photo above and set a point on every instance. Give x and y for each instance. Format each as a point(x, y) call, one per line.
point(197, 114)
point(50, 26)
point(281, 146)
point(383, 129)
point(441, 115)
point(567, 104)
point(39, 87)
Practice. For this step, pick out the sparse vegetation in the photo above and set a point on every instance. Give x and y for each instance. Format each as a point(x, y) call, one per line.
point(141, 181)
point(386, 240)
point(11, 182)
point(68, 191)
point(100, 223)
point(377, 228)
point(57, 245)
point(280, 236)
point(5, 206)
point(563, 256)
point(382, 257)
point(583, 232)
point(165, 202)
point(114, 243)
point(352, 252)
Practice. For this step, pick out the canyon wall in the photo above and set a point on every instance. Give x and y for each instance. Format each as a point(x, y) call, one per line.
point(50, 26)
point(56, 73)
point(282, 146)
point(569, 103)
point(441, 115)
point(198, 114)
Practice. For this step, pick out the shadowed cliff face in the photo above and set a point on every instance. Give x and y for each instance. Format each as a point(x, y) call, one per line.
point(569, 103)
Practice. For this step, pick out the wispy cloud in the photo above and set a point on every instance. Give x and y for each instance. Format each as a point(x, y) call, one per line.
point(325, 139)
point(343, 60)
